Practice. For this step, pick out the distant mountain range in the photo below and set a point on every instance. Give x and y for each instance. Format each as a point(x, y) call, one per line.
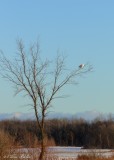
point(87, 115)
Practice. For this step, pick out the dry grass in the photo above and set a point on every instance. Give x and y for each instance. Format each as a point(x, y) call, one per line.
point(91, 157)
point(7, 149)
point(10, 152)
point(6, 144)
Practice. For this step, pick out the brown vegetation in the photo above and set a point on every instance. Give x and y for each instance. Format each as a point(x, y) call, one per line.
point(62, 132)
point(91, 157)
point(6, 144)
point(10, 150)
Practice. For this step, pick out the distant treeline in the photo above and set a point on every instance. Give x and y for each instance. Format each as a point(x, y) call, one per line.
point(62, 132)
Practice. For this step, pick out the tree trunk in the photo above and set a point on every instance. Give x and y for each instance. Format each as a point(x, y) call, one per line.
point(42, 153)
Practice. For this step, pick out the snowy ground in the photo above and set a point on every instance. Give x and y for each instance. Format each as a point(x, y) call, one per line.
point(67, 152)
point(73, 152)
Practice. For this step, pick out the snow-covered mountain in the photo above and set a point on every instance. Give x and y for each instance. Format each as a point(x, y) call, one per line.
point(87, 115)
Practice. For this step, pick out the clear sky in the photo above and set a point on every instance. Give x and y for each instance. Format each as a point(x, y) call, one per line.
point(83, 29)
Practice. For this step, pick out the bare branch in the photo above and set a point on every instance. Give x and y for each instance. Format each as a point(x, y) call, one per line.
point(38, 79)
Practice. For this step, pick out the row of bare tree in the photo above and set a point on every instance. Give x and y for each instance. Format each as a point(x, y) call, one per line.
point(62, 132)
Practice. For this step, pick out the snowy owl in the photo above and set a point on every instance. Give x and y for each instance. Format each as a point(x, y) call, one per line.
point(81, 65)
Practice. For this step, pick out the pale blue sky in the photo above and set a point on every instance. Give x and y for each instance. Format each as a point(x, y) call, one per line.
point(83, 29)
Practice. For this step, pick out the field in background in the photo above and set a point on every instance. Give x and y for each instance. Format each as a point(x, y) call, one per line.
point(19, 140)
point(64, 153)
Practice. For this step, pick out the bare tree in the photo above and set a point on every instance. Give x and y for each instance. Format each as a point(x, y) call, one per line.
point(39, 80)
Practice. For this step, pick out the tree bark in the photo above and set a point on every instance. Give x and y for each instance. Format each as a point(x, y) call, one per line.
point(42, 153)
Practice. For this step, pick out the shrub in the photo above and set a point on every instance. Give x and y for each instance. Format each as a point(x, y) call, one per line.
point(6, 143)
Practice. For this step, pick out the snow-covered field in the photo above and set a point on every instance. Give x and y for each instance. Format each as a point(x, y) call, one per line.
point(73, 152)
point(67, 152)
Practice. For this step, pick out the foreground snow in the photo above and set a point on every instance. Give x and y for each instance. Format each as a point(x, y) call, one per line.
point(63, 152)
point(73, 152)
